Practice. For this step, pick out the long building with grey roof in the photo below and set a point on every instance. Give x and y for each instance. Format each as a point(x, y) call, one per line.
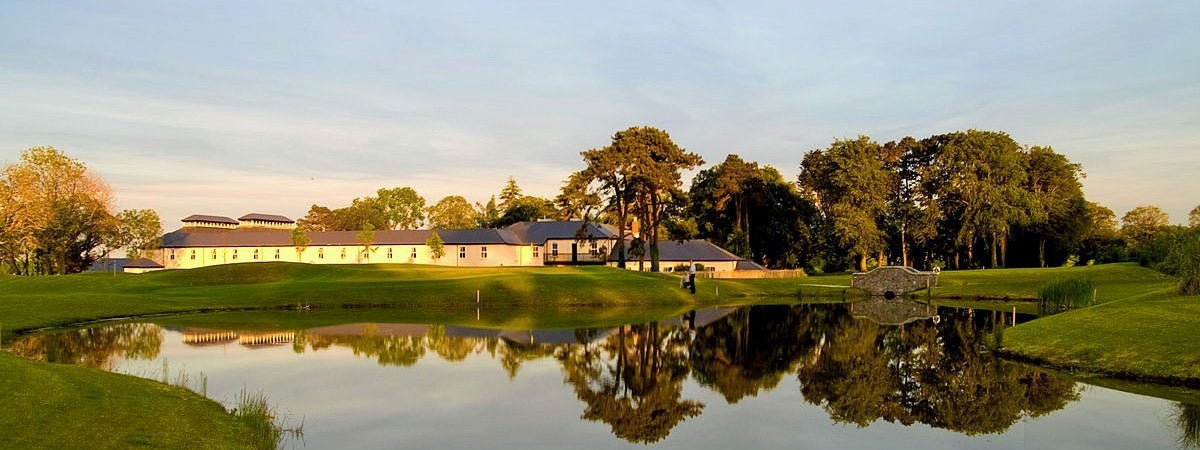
point(206, 240)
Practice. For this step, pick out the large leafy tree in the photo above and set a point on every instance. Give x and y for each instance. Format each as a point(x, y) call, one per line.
point(452, 212)
point(1058, 210)
point(606, 177)
point(55, 216)
point(524, 209)
point(576, 200)
point(1143, 223)
point(1194, 217)
point(654, 169)
point(139, 231)
point(850, 184)
point(402, 207)
point(978, 181)
point(362, 212)
point(773, 216)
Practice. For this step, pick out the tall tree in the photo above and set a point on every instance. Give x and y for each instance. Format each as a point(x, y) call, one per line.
point(453, 213)
point(775, 216)
point(403, 208)
point(576, 199)
point(979, 180)
point(319, 218)
point(1194, 217)
point(851, 186)
point(907, 215)
point(734, 179)
point(654, 166)
point(139, 231)
point(1057, 200)
point(509, 194)
point(1143, 223)
point(1101, 240)
point(607, 174)
point(55, 215)
point(487, 215)
point(524, 209)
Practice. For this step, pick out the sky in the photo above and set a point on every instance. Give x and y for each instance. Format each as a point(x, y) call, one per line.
point(232, 107)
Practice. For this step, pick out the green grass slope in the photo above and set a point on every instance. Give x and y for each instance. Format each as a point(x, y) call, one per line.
point(55, 406)
point(28, 302)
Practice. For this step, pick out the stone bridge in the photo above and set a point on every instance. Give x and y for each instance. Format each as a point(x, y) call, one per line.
point(892, 281)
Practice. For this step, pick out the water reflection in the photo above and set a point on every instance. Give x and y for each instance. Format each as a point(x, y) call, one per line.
point(862, 363)
point(96, 347)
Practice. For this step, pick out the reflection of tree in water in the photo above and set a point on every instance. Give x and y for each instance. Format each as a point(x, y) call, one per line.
point(389, 350)
point(633, 381)
point(94, 347)
point(927, 373)
point(749, 350)
point(1187, 418)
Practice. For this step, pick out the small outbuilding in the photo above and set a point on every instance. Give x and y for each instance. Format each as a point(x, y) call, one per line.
point(142, 265)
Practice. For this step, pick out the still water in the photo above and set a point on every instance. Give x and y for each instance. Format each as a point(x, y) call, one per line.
point(867, 375)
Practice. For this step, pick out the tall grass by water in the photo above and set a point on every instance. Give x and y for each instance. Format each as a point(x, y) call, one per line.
point(266, 430)
point(1061, 295)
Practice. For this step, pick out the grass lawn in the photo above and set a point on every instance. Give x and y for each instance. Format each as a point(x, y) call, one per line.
point(1149, 335)
point(30, 302)
point(57, 406)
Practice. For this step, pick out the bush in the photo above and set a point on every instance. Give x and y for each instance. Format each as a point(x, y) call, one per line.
point(1061, 295)
point(1175, 251)
point(1184, 260)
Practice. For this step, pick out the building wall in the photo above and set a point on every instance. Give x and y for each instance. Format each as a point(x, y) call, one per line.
point(464, 255)
point(586, 250)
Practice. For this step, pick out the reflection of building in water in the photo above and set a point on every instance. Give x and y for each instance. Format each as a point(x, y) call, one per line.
point(251, 338)
point(892, 312)
point(208, 337)
point(266, 338)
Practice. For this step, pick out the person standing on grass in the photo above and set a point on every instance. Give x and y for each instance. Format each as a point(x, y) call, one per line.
point(692, 276)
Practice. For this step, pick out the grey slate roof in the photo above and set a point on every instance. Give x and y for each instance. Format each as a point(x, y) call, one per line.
point(206, 218)
point(539, 232)
point(266, 218)
point(257, 237)
point(694, 249)
point(143, 263)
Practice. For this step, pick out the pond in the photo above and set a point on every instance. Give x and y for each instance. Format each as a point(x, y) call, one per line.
point(846, 376)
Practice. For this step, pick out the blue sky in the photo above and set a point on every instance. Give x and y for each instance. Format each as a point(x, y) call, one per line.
point(270, 106)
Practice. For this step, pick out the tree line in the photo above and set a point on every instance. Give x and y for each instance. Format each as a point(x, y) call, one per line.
point(965, 199)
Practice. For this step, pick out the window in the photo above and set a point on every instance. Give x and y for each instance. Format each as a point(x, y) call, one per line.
point(462, 252)
point(234, 254)
point(593, 249)
point(414, 253)
point(320, 253)
point(193, 255)
point(256, 253)
point(536, 251)
point(554, 249)
point(172, 254)
point(276, 253)
point(214, 254)
point(483, 252)
point(389, 253)
point(343, 253)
